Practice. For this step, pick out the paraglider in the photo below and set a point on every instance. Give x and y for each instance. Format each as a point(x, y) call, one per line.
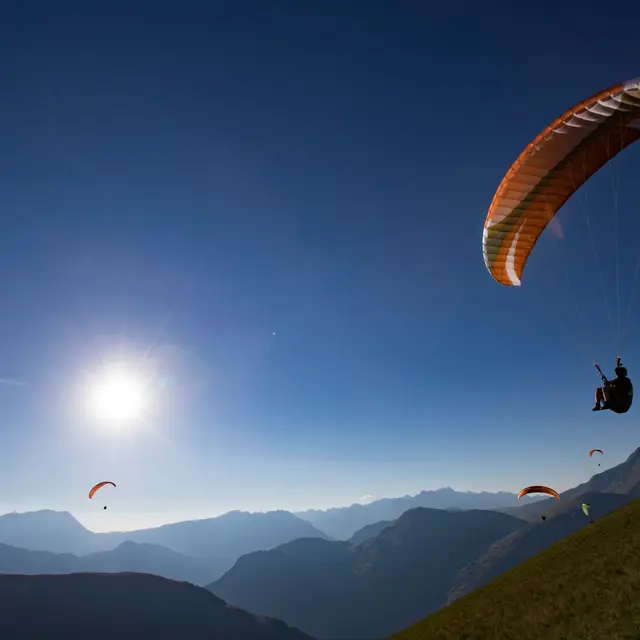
point(615, 395)
point(560, 160)
point(544, 518)
point(539, 489)
point(99, 486)
point(595, 451)
point(585, 508)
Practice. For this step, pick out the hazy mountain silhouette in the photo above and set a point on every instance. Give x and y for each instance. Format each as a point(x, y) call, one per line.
point(334, 589)
point(220, 540)
point(370, 531)
point(152, 559)
point(129, 556)
point(227, 536)
point(46, 530)
point(23, 561)
point(343, 522)
point(127, 606)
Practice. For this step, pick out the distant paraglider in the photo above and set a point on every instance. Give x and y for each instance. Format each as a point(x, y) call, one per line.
point(98, 486)
point(539, 489)
point(595, 451)
point(585, 508)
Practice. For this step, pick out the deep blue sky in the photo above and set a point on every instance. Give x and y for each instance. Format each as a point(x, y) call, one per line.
point(181, 180)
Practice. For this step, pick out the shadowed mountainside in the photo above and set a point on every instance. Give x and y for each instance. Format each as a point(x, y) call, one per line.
point(127, 606)
point(333, 589)
point(369, 532)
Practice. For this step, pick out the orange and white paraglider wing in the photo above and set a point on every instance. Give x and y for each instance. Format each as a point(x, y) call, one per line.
point(98, 486)
point(539, 489)
point(550, 169)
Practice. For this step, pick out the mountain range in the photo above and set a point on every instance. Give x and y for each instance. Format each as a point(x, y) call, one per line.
point(333, 589)
point(204, 549)
point(129, 556)
point(192, 549)
point(389, 574)
point(342, 522)
point(411, 567)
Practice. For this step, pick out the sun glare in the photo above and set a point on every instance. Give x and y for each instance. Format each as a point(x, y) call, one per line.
point(118, 396)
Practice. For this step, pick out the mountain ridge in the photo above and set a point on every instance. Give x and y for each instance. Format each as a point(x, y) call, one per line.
point(343, 522)
point(127, 606)
point(332, 589)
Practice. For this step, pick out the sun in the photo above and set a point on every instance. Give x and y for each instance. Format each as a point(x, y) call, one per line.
point(118, 396)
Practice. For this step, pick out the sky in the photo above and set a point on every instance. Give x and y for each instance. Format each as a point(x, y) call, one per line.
point(275, 211)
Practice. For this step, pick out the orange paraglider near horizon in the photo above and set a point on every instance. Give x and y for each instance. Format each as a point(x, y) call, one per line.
point(98, 486)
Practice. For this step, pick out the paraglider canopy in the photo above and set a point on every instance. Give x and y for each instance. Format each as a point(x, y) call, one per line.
point(551, 169)
point(537, 488)
point(99, 486)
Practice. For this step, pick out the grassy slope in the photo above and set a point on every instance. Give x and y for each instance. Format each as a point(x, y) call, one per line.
point(585, 587)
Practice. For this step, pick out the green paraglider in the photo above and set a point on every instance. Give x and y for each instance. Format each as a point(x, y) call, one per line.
point(585, 508)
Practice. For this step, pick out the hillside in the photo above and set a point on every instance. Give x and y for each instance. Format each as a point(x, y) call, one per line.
point(333, 589)
point(585, 587)
point(127, 606)
point(527, 542)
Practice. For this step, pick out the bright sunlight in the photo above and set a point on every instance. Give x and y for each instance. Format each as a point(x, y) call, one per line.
point(118, 396)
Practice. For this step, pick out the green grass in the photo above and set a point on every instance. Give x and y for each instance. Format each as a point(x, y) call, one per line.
point(585, 587)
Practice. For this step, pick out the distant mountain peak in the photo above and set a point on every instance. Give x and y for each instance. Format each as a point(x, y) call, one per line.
point(44, 517)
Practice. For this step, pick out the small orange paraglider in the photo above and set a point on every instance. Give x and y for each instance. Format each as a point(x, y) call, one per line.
point(95, 488)
point(600, 451)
